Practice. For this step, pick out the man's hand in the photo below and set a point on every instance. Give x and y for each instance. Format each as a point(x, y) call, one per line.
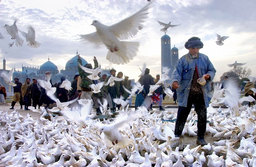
point(175, 85)
point(207, 76)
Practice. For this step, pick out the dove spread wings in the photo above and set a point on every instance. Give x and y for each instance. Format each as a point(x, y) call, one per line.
point(120, 52)
point(7, 76)
point(66, 84)
point(94, 72)
point(96, 87)
point(111, 80)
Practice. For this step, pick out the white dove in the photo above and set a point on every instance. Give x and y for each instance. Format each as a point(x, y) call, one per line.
point(31, 37)
point(121, 101)
point(152, 88)
point(66, 84)
point(96, 88)
point(120, 52)
point(94, 73)
point(220, 39)
point(166, 26)
point(111, 80)
point(168, 92)
point(136, 89)
point(13, 31)
point(48, 88)
point(7, 76)
point(111, 131)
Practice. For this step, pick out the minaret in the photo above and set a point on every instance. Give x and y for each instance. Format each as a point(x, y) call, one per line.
point(4, 64)
point(166, 52)
point(174, 57)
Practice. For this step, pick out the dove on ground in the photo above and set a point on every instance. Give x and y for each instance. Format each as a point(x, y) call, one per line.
point(30, 37)
point(13, 32)
point(120, 52)
point(220, 39)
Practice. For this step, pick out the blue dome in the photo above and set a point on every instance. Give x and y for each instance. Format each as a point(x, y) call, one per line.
point(72, 63)
point(165, 37)
point(49, 66)
point(174, 49)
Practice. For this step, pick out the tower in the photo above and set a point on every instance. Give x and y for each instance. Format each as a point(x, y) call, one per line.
point(4, 64)
point(174, 57)
point(166, 53)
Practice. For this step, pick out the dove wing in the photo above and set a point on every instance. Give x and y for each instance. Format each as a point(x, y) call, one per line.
point(118, 79)
point(218, 37)
point(161, 23)
point(224, 37)
point(122, 120)
point(31, 32)
point(131, 25)
point(87, 70)
point(127, 90)
point(92, 37)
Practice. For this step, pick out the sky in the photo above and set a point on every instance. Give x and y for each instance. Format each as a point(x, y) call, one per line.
point(59, 23)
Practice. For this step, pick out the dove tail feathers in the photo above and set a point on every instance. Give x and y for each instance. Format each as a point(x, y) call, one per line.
point(125, 54)
point(18, 41)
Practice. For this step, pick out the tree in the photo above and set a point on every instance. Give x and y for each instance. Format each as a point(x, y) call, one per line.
point(242, 72)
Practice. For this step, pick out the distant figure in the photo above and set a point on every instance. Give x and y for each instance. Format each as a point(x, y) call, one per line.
point(249, 92)
point(26, 93)
point(190, 90)
point(17, 93)
point(2, 94)
point(127, 85)
point(61, 93)
point(112, 90)
point(73, 92)
point(35, 93)
point(159, 91)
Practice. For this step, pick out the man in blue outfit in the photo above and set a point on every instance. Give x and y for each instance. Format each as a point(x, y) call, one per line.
point(190, 68)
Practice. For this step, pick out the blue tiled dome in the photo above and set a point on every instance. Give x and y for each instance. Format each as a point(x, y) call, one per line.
point(174, 49)
point(72, 63)
point(48, 66)
point(165, 37)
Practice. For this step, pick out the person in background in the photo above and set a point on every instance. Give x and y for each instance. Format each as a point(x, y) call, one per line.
point(105, 92)
point(17, 93)
point(159, 92)
point(83, 81)
point(2, 94)
point(35, 93)
point(127, 84)
point(61, 93)
point(26, 93)
point(119, 87)
point(190, 89)
point(112, 90)
point(73, 92)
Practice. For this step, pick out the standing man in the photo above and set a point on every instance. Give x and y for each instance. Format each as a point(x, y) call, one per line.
point(26, 93)
point(17, 93)
point(190, 68)
point(35, 93)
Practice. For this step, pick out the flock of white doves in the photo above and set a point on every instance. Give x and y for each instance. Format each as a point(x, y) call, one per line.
point(134, 138)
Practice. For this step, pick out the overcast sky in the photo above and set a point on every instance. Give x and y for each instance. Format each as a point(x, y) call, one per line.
point(58, 24)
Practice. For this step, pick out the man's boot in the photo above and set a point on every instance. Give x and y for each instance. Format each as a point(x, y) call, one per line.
point(13, 103)
point(161, 108)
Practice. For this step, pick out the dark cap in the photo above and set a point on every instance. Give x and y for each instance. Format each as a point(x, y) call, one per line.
point(194, 42)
